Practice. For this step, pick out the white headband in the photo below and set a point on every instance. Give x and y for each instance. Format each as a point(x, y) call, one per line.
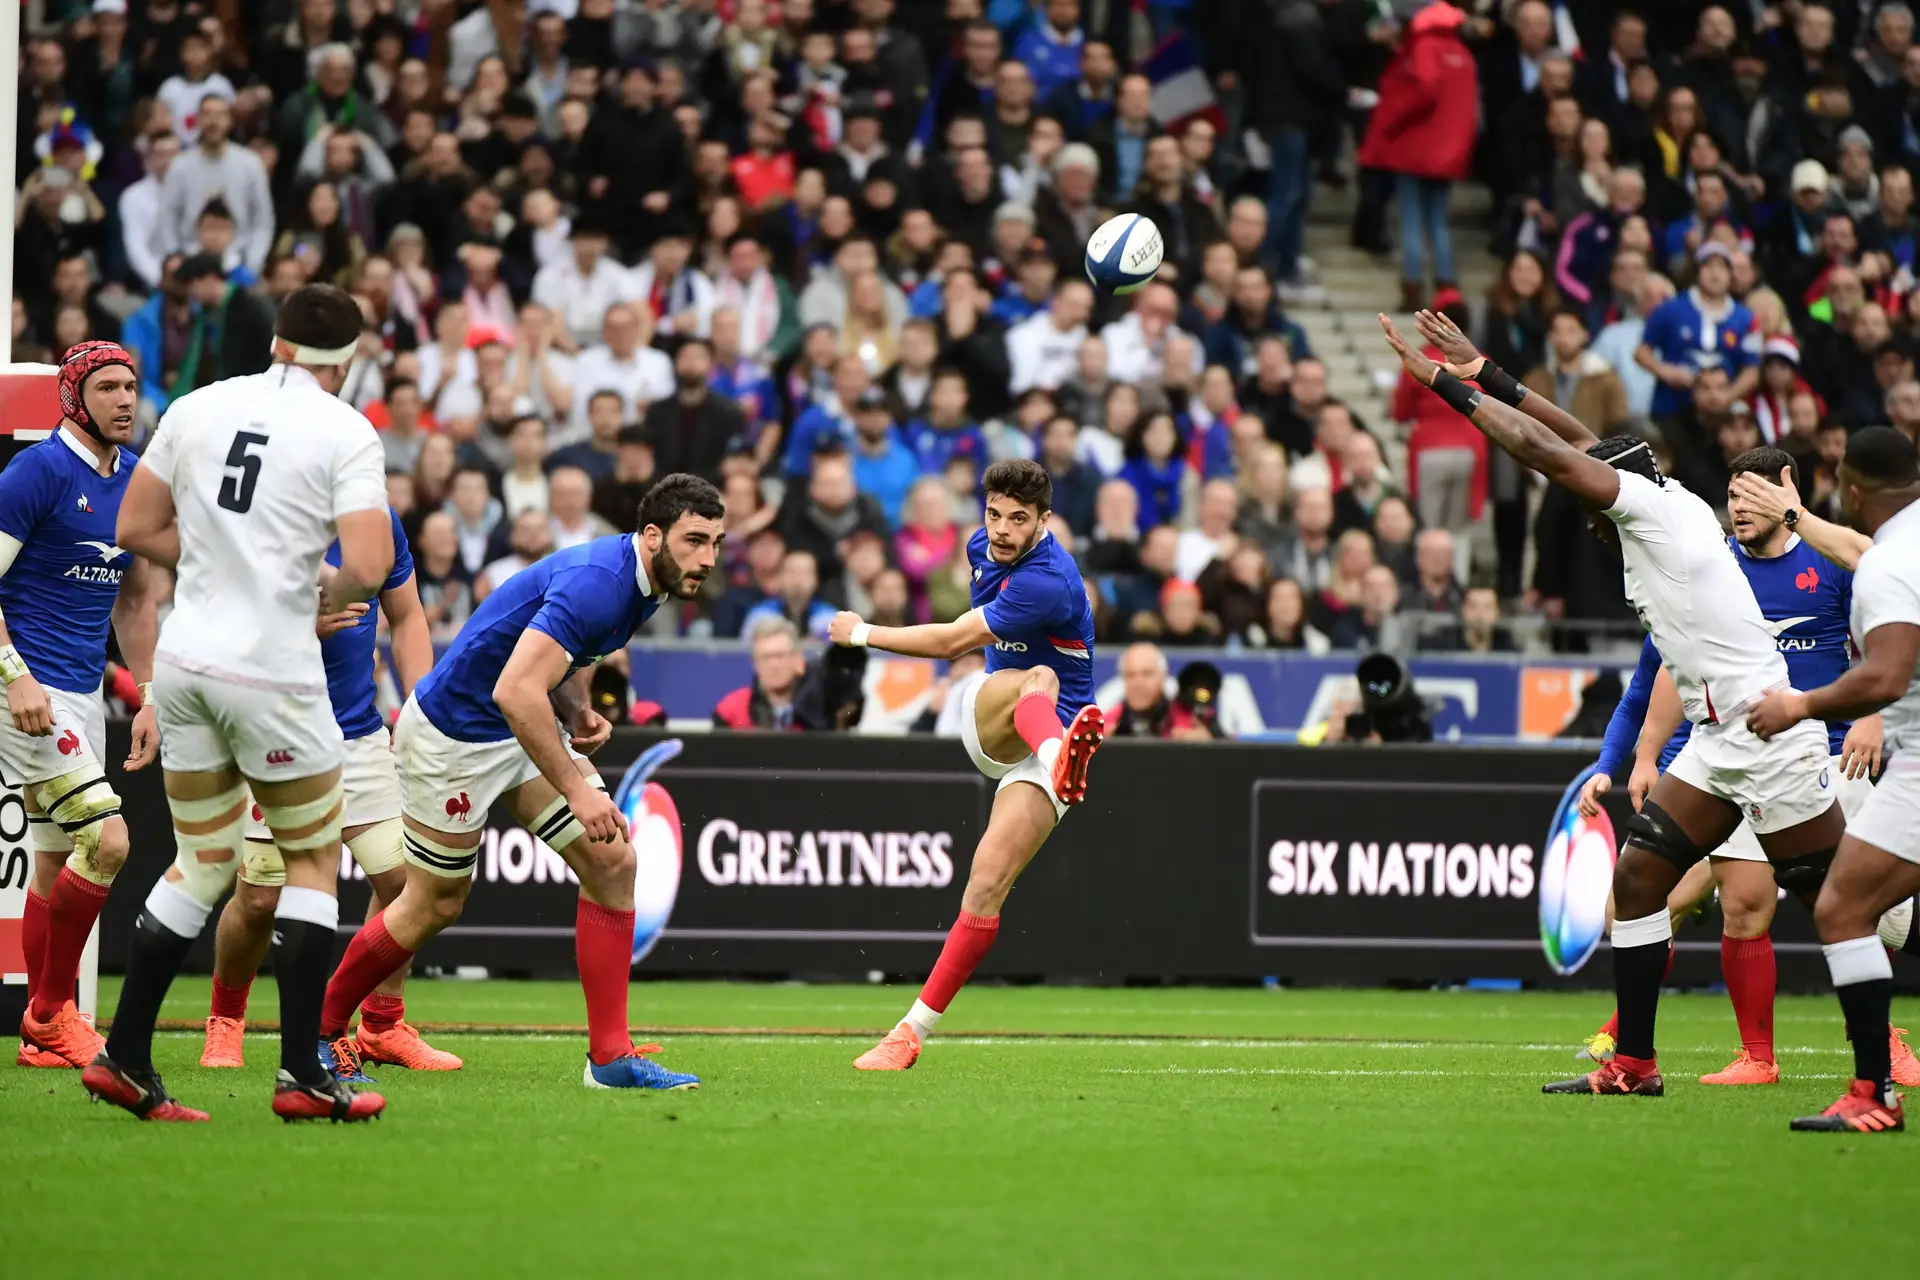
point(1619, 458)
point(286, 349)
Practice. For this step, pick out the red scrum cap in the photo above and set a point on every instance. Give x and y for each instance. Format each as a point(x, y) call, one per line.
point(80, 363)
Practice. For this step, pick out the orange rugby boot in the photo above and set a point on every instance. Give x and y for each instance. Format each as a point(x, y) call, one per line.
point(900, 1050)
point(402, 1046)
point(1612, 1079)
point(1083, 738)
point(32, 1055)
point(138, 1092)
point(68, 1033)
point(1906, 1068)
point(224, 1036)
point(1745, 1069)
point(1858, 1111)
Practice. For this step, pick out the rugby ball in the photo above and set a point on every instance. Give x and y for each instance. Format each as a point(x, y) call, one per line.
point(1124, 253)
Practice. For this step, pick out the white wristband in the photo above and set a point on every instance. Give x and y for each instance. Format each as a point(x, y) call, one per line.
point(146, 694)
point(860, 633)
point(12, 665)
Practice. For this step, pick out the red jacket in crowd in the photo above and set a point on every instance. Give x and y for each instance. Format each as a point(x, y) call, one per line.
point(1429, 102)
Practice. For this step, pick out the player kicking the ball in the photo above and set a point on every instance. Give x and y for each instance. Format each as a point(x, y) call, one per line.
point(63, 581)
point(370, 826)
point(1878, 865)
point(1702, 616)
point(1031, 721)
point(245, 484)
point(481, 727)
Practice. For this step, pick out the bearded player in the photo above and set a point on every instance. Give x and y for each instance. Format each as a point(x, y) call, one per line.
point(1700, 611)
point(1031, 724)
point(63, 582)
point(1805, 596)
point(481, 727)
point(370, 827)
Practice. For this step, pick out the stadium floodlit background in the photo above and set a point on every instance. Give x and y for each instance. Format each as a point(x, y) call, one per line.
point(872, 214)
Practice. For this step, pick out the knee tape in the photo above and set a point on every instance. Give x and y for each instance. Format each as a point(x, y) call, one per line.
point(289, 817)
point(1803, 875)
point(556, 827)
point(261, 865)
point(208, 860)
point(47, 837)
point(78, 803)
point(446, 860)
point(377, 849)
point(1656, 832)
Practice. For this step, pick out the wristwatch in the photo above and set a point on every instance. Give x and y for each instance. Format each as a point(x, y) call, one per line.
point(1791, 518)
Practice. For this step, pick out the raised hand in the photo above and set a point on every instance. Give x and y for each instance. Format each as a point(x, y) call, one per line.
point(1463, 358)
point(1423, 370)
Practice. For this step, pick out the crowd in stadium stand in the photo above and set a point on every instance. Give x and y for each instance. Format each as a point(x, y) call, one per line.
point(828, 254)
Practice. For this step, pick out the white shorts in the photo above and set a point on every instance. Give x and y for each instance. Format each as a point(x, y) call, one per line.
point(448, 785)
point(79, 737)
point(1744, 846)
point(367, 776)
point(1776, 785)
point(208, 723)
point(1890, 817)
point(1027, 770)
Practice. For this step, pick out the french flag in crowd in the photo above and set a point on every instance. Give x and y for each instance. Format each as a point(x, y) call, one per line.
point(1181, 90)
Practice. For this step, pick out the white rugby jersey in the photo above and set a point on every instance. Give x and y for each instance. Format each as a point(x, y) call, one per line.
point(260, 467)
point(1886, 588)
point(1693, 599)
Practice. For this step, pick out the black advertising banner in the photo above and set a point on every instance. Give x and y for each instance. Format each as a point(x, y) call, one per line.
point(1415, 865)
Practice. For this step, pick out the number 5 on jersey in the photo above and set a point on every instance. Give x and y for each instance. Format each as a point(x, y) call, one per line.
point(236, 488)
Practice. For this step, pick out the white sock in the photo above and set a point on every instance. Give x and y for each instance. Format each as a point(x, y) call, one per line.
point(922, 1019)
point(1857, 960)
point(1049, 752)
point(178, 910)
point(312, 906)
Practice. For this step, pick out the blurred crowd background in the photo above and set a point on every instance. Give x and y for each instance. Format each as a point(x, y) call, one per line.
point(828, 253)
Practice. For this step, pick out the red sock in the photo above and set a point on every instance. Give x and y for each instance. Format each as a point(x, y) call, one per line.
point(33, 938)
point(1036, 721)
point(1612, 1027)
point(1747, 965)
point(967, 945)
point(371, 956)
point(603, 949)
point(1639, 1066)
point(230, 1002)
point(72, 908)
point(381, 1012)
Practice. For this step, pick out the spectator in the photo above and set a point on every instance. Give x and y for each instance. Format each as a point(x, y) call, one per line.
point(1233, 590)
point(1212, 537)
point(1368, 483)
point(528, 539)
point(214, 167)
point(766, 550)
point(1044, 350)
point(1075, 484)
point(797, 600)
point(617, 495)
point(828, 425)
point(1703, 328)
point(635, 159)
point(1307, 556)
point(824, 511)
point(1372, 623)
point(582, 287)
point(185, 93)
point(1478, 630)
point(524, 486)
point(1166, 195)
point(679, 294)
point(1577, 380)
point(1285, 621)
point(445, 585)
point(1352, 555)
point(1294, 87)
point(570, 509)
point(318, 237)
point(1067, 213)
point(1710, 472)
point(946, 431)
point(1138, 344)
point(1263, 518)
point(1234, 341)
point(1422, 131)
point(624, 361)
point(778, 664)
point(1393, 533)
point(1434, 589)
point(140, 211)
point(929, 540)
point(1144, 710)
point(596, 454)
point(883, 466)
point(231, 332)
point(1617, 343)
point(694, 429)
point(826, 299)
point(401, 437)
point(476, 513)
point(1156, 467)
point(1588, 243)
point(1182, 620)
point(769, 320)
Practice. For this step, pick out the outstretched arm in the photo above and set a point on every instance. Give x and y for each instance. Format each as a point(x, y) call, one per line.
point(1530, 442)
point(1771, 499)
point(930, 640)
point(1464, 361)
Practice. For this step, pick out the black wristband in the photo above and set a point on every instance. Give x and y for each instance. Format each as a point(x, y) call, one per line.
point(1462, 397)
point(1500, 384)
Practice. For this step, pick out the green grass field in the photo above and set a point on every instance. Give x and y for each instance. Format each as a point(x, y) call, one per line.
point(1046, 1131)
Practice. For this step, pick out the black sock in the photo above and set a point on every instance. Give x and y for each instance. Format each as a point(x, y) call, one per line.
point(302, 959)
point(1866, 1005)
point(1637, 972)
point(152, 963)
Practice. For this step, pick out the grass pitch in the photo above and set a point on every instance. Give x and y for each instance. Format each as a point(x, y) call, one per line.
point(1046, 1131)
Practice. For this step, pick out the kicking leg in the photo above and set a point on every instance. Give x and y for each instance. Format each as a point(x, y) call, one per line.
point(1864, 881)
point(1678, 824)
point(1022, 819)
point(1747, 899)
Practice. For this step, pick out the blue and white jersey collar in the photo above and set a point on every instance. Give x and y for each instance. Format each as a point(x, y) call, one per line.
point(80, 451)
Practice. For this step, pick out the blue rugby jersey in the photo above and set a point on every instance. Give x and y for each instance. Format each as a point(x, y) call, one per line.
point(1037, 609)
point(58, 596)
point(348, 655)
point(590, 599)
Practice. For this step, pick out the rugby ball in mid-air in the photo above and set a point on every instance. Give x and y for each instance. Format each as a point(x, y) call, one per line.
point(1124, 253)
